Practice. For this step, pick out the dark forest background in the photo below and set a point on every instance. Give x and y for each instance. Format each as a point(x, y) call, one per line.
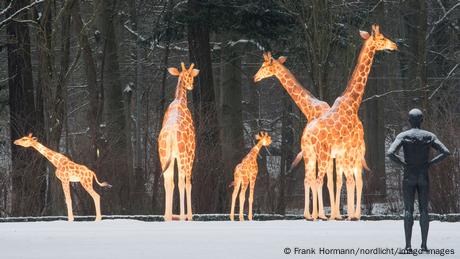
point(89, 79)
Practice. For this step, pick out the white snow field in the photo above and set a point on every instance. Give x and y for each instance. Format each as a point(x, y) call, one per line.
point(218, 239)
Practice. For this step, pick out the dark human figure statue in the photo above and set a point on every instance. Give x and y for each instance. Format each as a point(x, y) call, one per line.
point(416, 144)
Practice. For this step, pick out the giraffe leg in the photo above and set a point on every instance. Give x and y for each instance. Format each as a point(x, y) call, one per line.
point(321, 214)
point(338, 192)
point(236, 188)
point(181, 186)
point(242, 198)
point(338, 189)
point(168, 177)
point(251, 198)
point(88, 185)
point(359, 190)
point(350, 194)
point(68, 199)
point(188, 188)
point(308, 182)
point(323, 165)
point(330, 186)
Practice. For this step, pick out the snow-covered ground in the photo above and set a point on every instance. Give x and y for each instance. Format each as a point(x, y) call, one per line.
point(258, 239)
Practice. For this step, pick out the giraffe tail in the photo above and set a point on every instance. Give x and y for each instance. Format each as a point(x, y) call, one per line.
point(103, 184)
point(297, 160)
point(365, 166)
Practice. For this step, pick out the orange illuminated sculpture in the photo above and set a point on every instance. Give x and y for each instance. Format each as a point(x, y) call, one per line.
point(246, 174)
point(67, 171)
point(177, 143)
point(312, 108)
point(337, 131)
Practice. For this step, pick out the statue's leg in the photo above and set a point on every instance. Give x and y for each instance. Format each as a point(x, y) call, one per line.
point(423, 196)
point(408, 196)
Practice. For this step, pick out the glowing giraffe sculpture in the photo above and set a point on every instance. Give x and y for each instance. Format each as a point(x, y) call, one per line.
point(67, 171)
point(310, 106)
point(337, 131)
point(246, 174)
point(177, 143)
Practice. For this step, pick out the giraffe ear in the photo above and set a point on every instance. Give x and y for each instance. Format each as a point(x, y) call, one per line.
point(258, 137)
point(364, 34)
point(195, 72)
point(173, 71)
point(30, 135)
point(34, 138)
point(282, 59)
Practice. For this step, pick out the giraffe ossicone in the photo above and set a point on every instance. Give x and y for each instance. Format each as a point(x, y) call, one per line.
point(67, 171)
point(246, 175)
point(176, 143)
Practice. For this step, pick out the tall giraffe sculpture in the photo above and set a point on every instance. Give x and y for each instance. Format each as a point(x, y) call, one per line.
point(176, 142)
point(246, 174)
point(337, 131)
point(67, 171)
point(310, 106)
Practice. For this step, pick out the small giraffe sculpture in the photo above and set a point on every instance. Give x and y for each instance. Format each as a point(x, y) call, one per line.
point(177, 143)
point(336, 132)
point(67, 171)
point(310, 106)
point(246, 174)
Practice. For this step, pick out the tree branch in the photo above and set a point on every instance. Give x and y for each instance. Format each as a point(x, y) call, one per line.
point(442, 83)
point(11, 17)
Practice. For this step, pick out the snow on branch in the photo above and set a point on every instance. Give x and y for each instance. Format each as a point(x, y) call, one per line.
point(442, 83)
point(446, 13)
point(11, 17)
point(395, 91)
point(151, 43)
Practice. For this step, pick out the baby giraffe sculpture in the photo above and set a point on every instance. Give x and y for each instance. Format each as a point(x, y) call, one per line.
point(67, 171)
point(176, 143)
point(246, 174)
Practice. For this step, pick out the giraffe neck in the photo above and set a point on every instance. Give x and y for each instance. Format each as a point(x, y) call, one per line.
point(181, 92)
point(255, 150)
point(301, 96)
point(354, 92)
point(46, 152)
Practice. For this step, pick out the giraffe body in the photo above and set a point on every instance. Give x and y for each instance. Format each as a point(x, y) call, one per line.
point(245, 175)
point(67, 171)
point(312, 108)
point(176, 143)
point(338, 133)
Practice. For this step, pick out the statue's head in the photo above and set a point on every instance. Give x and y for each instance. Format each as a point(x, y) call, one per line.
point(185, 75)
point(268, 68)
point(26, 141)
point(264, 138)
point(415, 118)
point(377, 40)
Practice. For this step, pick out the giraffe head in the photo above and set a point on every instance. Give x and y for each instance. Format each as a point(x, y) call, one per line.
point(269, 66)
point(26, 141)
point(186, 75)
point(377, 40)
point(264, 138)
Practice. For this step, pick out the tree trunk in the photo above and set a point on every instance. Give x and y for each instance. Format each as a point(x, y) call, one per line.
point(287, 144)
point(114, 154)
point(207, 180)
point(27, 197)
point(230, 116)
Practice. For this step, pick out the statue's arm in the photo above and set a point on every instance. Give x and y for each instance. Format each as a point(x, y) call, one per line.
point(441, 148)
point(392, 152)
